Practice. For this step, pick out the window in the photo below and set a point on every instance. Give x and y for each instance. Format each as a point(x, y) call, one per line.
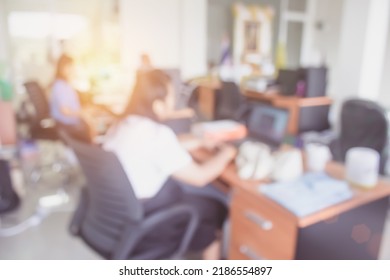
point(44, 24)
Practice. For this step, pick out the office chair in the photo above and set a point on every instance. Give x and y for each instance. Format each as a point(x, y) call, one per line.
point(41, 125)
point(111, 220)
point(229, 102)
point(39, 122)
point(363, 124)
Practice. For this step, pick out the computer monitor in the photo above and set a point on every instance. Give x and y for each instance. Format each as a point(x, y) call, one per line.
point(268, 124)
point(287, 81)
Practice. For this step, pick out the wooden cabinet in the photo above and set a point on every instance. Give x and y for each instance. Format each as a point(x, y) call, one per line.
point(260, 229)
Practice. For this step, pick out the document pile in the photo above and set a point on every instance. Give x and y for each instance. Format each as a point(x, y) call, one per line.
point(309, 194)
point(222, 130)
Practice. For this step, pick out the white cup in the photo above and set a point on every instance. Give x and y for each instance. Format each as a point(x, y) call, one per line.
point(362, 167)
point(317, 156)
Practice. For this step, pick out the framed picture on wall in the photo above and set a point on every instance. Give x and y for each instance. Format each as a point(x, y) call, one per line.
point(251, 33)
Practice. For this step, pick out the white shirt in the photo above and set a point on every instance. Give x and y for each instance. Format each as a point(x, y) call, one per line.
point(148, 151)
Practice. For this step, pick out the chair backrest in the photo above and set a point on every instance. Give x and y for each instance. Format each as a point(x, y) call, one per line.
point(112, 204)
point(39, 100)
point(363, 124)
point(229, 100)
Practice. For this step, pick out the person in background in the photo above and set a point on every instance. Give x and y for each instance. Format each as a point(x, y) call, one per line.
point(159, 165)
point(146, 66)
point(65, 104)
point(145, 63)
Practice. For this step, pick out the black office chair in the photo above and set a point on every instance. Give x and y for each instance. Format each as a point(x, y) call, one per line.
point(41, 125)
point(229, 102)
point(111, 220)
point(363, 124)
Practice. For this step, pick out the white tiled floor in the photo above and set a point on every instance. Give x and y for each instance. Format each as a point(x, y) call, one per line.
point(51, 238)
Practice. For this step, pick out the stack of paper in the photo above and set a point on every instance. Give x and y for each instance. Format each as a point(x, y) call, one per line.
point(309, 194)
point(223, 130)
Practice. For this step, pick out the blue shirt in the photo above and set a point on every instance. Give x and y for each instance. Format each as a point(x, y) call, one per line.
point(63, 95)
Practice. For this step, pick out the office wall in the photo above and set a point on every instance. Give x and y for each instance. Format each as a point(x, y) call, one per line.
point(384, 96)
point(295, 33)
point(66, 6)
point(4, 48)
point(374, 53)
point(220, 22)
point(193, 42)
point(351, 47)
point(358, 65)
point(326, 38)
point(172, 32)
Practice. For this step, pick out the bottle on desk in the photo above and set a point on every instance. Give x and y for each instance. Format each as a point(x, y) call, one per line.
point(301, 89)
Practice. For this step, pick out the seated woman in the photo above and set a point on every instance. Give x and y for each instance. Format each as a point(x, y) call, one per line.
point(171, 113)
point(65, 104)
point(158, 164)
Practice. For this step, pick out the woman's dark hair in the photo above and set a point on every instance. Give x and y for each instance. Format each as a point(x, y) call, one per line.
point(149, 87)
point(62, 63)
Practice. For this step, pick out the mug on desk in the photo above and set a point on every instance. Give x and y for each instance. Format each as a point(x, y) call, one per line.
point(317, 156)
point(362, 167)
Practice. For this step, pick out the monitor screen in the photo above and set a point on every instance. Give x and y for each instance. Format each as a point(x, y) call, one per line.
point(268, 123)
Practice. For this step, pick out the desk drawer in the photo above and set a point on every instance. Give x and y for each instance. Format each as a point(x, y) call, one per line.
point(261, 229)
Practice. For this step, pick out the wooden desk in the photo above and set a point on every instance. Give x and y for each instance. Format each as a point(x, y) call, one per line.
point(269, 97)
point(305, 113)
point(207, 98)
point(263, 229)
point(301, 110)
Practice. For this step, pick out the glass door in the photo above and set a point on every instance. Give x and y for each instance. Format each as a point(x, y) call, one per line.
point(295, 31)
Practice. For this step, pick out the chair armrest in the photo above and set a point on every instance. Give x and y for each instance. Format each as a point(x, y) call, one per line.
point(78, 216)
point(335, 149)
point(131, 237)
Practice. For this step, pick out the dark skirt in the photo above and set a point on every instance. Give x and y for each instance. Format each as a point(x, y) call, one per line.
point(211, 210)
